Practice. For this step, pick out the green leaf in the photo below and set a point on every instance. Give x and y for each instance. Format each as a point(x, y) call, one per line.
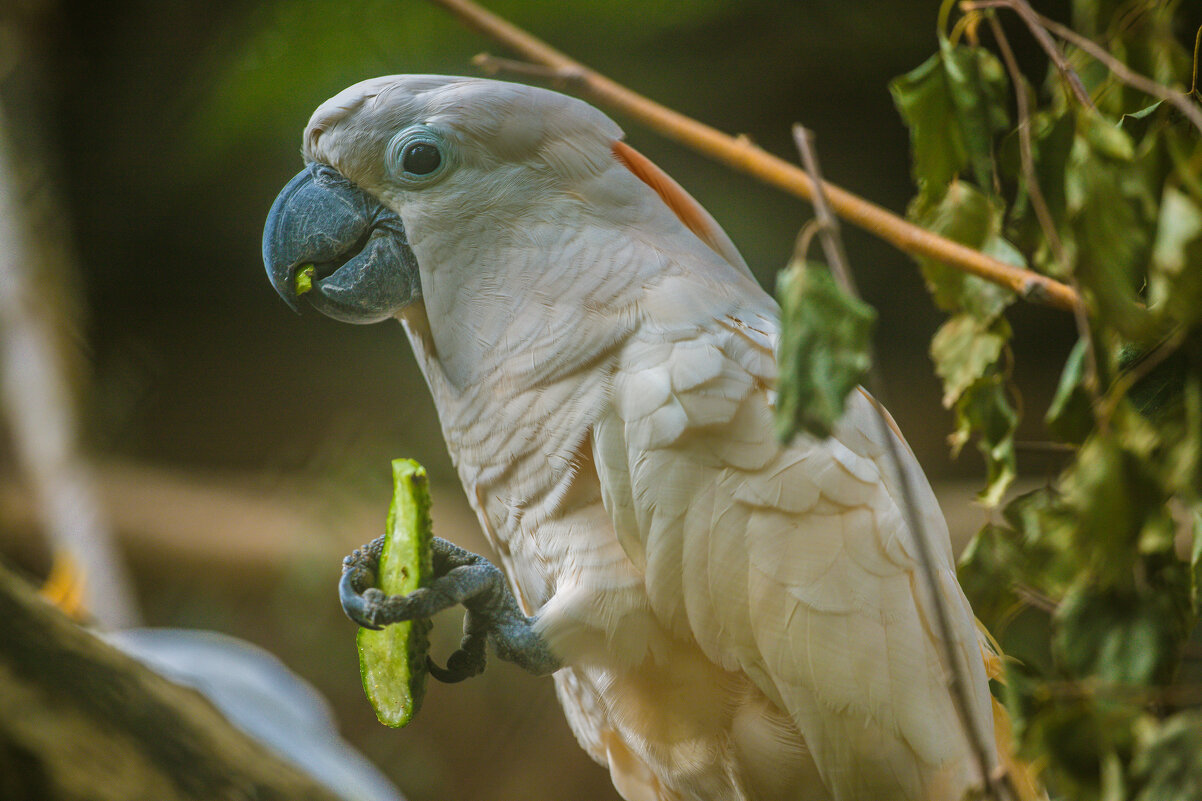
point(392, 661)
point(986, 571)
point(1039, 515)
point(1114, 778)
point(1101, 545)
point(1142, 114)
point(1113, 495)
point(1179, 228)
point(1159, 392)
point(823, 351)
point(1146, 41)
point(1175, 283)
point(1109, 209)
point(1136, 123)
point(1127, 635)
point(924, 100)
point(1075, 736)
point(1044, 532)
point(1070, 415)
point(1168, 758)
point(967, 216)
point(954, 104)
point(1121, 637)
point(978, 86)
point(1105, 138)
point(1052, 135)
point(985, 408)
point(963, 349)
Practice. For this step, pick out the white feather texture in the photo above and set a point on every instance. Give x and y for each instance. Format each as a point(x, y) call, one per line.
point(738, 620)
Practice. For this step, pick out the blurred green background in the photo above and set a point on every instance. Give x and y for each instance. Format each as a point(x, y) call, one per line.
point(242, 449)
point(175, 123)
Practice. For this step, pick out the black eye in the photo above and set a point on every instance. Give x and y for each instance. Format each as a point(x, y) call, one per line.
point(421, 158)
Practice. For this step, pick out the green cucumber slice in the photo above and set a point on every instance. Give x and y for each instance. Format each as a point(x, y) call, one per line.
point(392, 661)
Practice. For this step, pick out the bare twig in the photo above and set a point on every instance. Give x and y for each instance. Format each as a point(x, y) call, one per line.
point(1172, 695)
point(1182, 102)
point(741, 154)
point(494, 65)
point(1035, 598)
point(1028, 15)
point(1193, 84)
point(1040, 446)
point(828, 223)
point(997, 783)
point(802, 245)
point(1041, 25)
point(1038, 203)
point(1042, 213)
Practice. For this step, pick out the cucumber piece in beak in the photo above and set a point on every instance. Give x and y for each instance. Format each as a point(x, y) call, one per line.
point(304, 279)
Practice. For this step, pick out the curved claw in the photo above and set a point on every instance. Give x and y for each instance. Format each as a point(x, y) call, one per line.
point(351, 594)
point(466, 662)
point(447, 675)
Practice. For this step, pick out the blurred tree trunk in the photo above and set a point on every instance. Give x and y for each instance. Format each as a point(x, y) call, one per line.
point(80, 720)
point(38, 278)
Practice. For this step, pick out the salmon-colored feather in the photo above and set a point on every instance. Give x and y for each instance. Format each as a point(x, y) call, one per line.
point(682, 204)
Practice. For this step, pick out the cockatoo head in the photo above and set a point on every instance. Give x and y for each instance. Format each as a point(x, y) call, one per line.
point(402, 170)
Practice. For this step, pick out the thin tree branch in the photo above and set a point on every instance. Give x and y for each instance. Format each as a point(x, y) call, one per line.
point(802, 244)
point(828, 223)
point(1040, 27)
point(1038, 203)
point(1035, 598)
point(1182, 102)
point(1040, 446)
point(1193, 84)
point(562, 78)
point(1042, 213)
point(997, 786)
point(741, 154)
point(1054, 53)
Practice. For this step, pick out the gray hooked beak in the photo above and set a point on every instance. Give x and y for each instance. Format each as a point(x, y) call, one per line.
point(363, 270)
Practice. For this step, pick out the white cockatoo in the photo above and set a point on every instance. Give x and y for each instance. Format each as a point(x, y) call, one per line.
point(726, 617)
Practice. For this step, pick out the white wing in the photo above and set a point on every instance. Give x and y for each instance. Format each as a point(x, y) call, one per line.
point(792, 564)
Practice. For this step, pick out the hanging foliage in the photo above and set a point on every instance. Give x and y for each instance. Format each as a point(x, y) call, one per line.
point(1091, 583)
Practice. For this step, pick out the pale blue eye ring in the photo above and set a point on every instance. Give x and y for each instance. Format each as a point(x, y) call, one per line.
point(417, 156)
